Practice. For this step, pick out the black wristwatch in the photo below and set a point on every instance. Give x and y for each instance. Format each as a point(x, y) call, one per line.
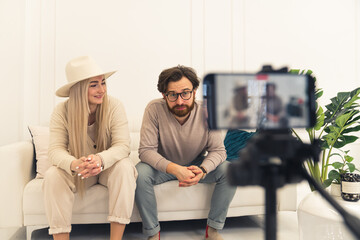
point(204, 171)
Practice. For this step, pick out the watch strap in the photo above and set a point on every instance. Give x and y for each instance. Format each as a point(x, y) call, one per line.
point(204, 172)
point(203, 169)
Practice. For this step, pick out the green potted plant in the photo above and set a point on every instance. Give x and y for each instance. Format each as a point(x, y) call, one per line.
point(340, 168)
point(333, 128)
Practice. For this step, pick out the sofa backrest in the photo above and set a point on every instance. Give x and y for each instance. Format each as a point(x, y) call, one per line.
point(134, 127)
point(40, 137)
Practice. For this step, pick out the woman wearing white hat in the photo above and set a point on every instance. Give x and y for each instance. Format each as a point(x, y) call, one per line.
point(89, 144)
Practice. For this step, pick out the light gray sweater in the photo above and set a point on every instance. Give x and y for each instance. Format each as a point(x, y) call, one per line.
point(164, 139)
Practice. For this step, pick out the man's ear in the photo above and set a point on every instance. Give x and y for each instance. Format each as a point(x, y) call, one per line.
point(164, 97)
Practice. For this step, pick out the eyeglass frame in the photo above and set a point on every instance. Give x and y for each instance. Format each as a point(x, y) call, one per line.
point(179, 94)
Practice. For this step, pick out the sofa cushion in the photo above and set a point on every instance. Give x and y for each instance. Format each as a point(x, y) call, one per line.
point(94, 201)
point(173, 203)
point(234, 141)
point(40, 138)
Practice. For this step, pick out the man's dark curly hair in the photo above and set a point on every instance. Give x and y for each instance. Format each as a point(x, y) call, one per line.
point(174, 74)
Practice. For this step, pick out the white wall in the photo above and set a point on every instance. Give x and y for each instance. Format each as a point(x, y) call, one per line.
point(12, 32)
point(140, 38)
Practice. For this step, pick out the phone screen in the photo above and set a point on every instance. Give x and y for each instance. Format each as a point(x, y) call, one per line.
point(265, 101)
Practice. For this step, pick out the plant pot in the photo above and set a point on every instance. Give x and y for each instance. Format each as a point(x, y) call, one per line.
point(335, 190)
point(350, 187)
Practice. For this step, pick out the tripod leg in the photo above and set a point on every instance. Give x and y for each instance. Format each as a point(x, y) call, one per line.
point(270, 207)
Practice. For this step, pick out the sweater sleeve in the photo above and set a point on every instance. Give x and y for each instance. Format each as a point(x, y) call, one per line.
point(149, 140)
point(216, 151)
point(58, 151)
point(119, 135)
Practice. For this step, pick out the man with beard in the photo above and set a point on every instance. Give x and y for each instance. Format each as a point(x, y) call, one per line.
point(176, 144)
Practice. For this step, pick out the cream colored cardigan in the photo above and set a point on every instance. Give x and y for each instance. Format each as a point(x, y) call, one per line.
point(119, 138)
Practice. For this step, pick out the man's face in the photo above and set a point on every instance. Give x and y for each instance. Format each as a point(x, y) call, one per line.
point(270, 91)
point(180, 107)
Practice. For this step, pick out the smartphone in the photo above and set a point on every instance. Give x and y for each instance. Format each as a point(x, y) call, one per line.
point(259, 101)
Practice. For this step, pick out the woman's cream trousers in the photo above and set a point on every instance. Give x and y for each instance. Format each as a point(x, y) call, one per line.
point(59, 188)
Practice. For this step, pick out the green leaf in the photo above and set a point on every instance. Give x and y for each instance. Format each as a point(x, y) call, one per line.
point(309, 72)
point(353, 129)
point(342, 96)
point(335, 129)
point(342, 120)
point(318, 93)
point(353, 97)
point(294, 71)
point(334, 175)
point(331, 108)
point(356, 91)
point(348, 158)
point(351, 167)
point(337, 165)
point(351, 102)
point(319, 119)
point(344, 140)
point(330, 138)
point(327, 182)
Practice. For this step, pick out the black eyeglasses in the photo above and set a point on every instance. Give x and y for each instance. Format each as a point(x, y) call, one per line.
point(173, 96)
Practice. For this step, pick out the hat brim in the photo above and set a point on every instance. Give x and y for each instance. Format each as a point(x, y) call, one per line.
point(64, 91)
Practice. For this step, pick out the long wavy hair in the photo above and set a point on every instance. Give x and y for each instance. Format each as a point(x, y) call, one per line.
point(78, 112)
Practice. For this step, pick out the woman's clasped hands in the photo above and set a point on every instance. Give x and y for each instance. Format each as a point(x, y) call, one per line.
point(88, 166)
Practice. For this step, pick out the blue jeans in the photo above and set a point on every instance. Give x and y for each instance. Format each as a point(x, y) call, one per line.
point(146, 201)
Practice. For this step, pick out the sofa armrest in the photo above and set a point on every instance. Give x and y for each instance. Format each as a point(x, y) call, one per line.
point(17, 169)
point(287, 197)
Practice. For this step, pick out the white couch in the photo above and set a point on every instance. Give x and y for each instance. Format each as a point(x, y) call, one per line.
point(23, 205)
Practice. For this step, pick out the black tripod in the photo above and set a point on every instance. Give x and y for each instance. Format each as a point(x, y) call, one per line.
point(272, 159)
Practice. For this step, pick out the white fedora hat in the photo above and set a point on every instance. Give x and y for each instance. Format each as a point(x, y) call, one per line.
point(240, 84)
point(79, 69)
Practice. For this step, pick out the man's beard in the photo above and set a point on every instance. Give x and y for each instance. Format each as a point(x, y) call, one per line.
point(181, 113)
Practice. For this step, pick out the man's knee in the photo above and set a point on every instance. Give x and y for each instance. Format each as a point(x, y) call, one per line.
point(221, 172)
point(222, 168)
point(145, 172)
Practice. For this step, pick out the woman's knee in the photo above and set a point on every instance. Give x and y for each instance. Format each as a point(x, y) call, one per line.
point(53, 175)
point(125, 168)
point(56, 178)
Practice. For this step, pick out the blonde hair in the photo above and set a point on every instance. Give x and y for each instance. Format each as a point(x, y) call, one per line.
point(78, 112)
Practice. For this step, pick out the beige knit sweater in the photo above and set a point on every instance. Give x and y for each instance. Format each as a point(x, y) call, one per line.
point(119, 138)
point(164, 140)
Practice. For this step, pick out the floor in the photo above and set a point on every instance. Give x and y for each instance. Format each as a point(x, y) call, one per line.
point(239, 228)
